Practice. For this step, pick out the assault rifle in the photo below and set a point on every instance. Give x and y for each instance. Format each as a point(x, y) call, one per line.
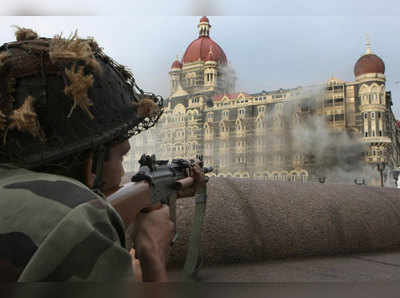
point(164, 180)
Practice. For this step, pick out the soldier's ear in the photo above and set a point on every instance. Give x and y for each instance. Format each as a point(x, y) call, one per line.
point(88, 174)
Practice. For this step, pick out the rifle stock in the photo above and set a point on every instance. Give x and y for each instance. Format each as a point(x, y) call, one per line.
point(134, 197)
point(130, 199)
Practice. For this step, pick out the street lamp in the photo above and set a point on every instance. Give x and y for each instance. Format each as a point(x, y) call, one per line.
point(359, 181)
point(381, 167)
point(396, 174)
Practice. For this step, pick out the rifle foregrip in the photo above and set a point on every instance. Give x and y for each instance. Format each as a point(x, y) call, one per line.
point(184, 183)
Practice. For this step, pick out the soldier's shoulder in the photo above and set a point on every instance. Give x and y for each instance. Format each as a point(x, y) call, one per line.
point(16, 182)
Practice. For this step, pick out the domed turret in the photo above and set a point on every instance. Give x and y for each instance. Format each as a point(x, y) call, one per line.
point(369, 63)
point(176, 64)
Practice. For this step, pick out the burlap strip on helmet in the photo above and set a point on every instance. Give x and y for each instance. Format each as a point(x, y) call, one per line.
point(72, 49)
point(25, 119)
point(25, 33)
point(78, 89)
point(147, 108)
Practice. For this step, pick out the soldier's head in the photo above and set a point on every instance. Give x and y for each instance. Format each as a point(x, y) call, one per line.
point(66, 106)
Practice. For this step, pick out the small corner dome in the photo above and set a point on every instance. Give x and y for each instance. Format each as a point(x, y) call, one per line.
point(176, 65)
point(369, 63)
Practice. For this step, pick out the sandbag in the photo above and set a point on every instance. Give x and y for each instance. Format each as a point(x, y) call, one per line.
point(251, 220)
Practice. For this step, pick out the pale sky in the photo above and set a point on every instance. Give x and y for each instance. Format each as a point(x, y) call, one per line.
point(270, 46)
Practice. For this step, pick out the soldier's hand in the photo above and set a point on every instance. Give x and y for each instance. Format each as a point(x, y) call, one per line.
point(152, 237)
point(199, 177)
point(199, 181)
point(136, 266)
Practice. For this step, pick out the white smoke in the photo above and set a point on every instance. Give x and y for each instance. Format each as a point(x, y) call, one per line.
point(228, 75)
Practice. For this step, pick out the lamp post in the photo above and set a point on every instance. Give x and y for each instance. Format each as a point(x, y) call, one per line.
point(359, 181)
point(381, 167)
point(396, 174)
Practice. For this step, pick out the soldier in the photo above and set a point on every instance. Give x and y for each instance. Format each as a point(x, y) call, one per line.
point(67, 111)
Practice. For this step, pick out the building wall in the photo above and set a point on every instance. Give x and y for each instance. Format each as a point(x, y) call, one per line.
point(251, 135)
point(258, 135)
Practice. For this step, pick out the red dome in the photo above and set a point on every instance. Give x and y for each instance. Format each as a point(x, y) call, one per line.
point(369, 63)
point(176, 64)
point(204, 19)
point(199, 50)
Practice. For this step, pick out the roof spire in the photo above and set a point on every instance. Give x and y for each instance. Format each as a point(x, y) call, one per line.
point(204, 27)
point(368, 45)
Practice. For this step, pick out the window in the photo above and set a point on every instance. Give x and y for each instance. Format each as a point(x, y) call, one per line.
point(339, 117)
point(338, 101)
point(242, 112)
point(380, 133)
point(303, 177)
point(366, 115)
point(366, 133)
point(364, 98)
point(373, 133)
point(373, 152)
point(372, 115)
point(379, 114)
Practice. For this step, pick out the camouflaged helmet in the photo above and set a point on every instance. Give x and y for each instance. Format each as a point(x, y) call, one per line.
point(61, 96)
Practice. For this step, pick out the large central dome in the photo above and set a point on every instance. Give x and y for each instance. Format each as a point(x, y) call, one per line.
point(201, 48)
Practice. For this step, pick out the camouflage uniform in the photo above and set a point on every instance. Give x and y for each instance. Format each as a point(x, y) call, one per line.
point(55, 104)
point(53, 228)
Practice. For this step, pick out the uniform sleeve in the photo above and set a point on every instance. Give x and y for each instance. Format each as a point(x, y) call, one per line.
point(87, 245)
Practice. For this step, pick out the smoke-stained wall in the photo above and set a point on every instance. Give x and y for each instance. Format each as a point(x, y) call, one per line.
point(335, 132)
point(300, 134)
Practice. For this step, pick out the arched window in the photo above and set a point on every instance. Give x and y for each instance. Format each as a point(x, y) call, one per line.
point(303, 177)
